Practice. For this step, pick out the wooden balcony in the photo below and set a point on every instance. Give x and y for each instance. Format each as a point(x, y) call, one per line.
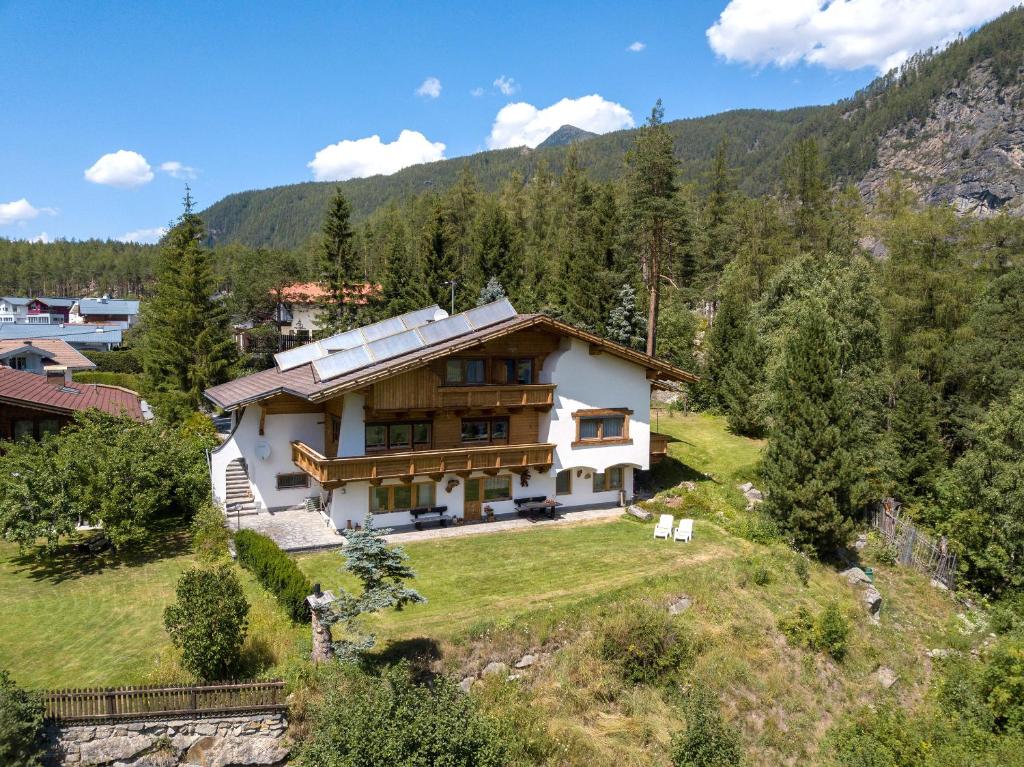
point(540, 396)
point(659, 446)
point(335, 472)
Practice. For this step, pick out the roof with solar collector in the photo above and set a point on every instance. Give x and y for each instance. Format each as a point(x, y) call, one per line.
point(355, 358)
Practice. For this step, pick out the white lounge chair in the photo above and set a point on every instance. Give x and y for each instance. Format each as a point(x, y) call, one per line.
point(685, 530)
point(664, 527)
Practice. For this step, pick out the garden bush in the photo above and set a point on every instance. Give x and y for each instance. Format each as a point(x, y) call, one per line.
point(645, 643)
point(117, 361)
point(276, 572)
point(391, 720)
point(802, 570)
point(828, 632)
point(21, 725)
point(707, 741)
point(209, 535)
point(131, 381)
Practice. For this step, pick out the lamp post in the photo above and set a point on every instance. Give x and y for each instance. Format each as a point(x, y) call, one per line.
point(452, 284)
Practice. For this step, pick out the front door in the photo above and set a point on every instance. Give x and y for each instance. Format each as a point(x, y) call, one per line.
point(471, 505)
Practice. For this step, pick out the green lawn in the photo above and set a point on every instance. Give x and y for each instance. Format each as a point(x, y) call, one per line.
point(703, 443)
point(486, 577)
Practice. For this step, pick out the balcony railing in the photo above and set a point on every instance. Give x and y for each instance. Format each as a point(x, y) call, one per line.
point(659, 445)
point(484, 397)
point(337, 471)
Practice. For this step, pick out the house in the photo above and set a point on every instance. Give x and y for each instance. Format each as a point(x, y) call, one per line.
point(49, 311)
point(33, 406)
point(47, 356)
point(81, 337)
point(300, 303)
point(105, 309)
point(428, 410)
point(13, 309)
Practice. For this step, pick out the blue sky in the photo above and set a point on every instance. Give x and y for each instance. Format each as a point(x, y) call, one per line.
point(244, 96)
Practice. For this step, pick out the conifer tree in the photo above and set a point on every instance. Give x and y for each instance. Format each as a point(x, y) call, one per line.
point(808, 466)
point(440, 261)
point(741, 384)
point(719, 215)
point(186, 338)
point(677, 332)
point(626, 321)
point(727, 334)
point(492, 291)
point(402, 285)
point(652, 208)
point(916, 449)
point(807, 189)
point(495, 253)
point(340, 271)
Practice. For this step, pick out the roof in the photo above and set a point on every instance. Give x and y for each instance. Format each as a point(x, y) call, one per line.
point(89, 306)
point(16, 300)
point(302, 381)
point(33, 391)
point(60, 351)
point(311, 292)
point(73, 334)
point(63, 303)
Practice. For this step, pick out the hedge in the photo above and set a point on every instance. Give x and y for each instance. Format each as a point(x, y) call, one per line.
point(276, 571)
point(131, 381)
point(118, 361)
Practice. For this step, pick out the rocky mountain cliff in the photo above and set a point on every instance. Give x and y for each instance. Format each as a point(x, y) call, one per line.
point(567, 134)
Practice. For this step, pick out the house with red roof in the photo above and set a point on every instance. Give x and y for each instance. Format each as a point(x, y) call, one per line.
point(299, 304)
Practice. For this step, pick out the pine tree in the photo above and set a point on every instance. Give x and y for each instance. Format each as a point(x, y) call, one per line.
point(719, 216)
point(727, 334)
point(917, 453)
point(742, 380)
point(652, 208)
point(807, 189)
point(440, 261)
point(340, 270)
point(496, 257)
point(186, 337)
point(402, 284)
point(626, 321)
point(492, 291)
point(808, 466)
point(677, 332)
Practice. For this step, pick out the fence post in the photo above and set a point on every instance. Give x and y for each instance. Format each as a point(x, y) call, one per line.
point(193, 698)
point(111, 703)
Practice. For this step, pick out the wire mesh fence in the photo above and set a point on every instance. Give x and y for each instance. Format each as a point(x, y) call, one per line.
point(913, 547)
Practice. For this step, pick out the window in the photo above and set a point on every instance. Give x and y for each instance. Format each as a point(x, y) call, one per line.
point(610, 479)
point(23, 427)
point(610, 425)
point(563, 482)
point(19, 363)
point(397, 436)
point(48, 426)
point(497, 488)
point(386, 498)
point(464, 371)
point(485, 430)
point(513, 371)
point(291, 481)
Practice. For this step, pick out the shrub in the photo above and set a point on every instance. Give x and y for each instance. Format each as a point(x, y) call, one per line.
point(707, 741)
point(755, 570)
point(118, 361)
point(208, 621)
point(802, 570)
point(1007, 614)
point(798, 626)
point(276, 572)
point(209, 535)
point(831, 632)
point(392, 721)
point(124, 380)
point(1002, 685)
point(21, 725)
point(645, 643)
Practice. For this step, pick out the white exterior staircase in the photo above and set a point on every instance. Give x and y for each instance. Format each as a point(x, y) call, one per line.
point(239, 498)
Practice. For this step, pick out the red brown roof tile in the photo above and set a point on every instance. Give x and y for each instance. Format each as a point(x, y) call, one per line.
point(33, 391)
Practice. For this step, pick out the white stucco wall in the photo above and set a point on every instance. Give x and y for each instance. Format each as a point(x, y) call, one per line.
point(352, 441)
point(586, 382)
point(279, 431)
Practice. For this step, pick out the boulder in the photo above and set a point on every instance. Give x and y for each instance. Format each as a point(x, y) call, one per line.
point(467, 683)
point(886, 677)
point(639, 513)
point(872, 600)
point(861, 542)
point(526, 661)
point(495, 668)
point(253, 752)
point(119, 748)
point(680, 605)
point(855, 575)
point(746, 487)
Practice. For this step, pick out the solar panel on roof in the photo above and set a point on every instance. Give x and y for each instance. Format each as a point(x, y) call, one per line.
point(341, 341)
point(300, 355)
point(392, 346)
point(383, 329)
point(423, 316)
point(488, 314)
point(442, 330)
point(340, 363)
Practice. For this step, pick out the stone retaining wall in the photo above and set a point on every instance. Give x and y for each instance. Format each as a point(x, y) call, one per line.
point(255, 740)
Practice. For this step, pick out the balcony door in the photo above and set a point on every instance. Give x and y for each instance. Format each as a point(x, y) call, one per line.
point(471, 504)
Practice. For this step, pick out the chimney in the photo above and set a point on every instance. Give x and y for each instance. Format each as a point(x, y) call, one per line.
point(58, 375)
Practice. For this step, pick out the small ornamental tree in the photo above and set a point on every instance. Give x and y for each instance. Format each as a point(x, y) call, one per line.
point(492, 291)
point(21, 725)
point(626, 323)
point(382, 571)
point(208, 622)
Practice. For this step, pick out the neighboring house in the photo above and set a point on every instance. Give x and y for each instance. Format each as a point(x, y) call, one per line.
point(49, 356)
point(82, 337)
point(427, 410)
point(13, 309)
point(49, 311)
point(105, 309)
point(33, 406)
point(299, 304)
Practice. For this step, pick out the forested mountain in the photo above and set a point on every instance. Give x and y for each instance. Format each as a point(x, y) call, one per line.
point(567, 134)
point(949, 121)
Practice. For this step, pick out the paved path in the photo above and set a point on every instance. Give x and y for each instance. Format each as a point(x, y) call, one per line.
point(301, 530)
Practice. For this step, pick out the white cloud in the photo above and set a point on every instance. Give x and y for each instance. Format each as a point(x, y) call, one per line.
point(176, 169)
point(477, 92)
point(430, 88)
point(522, 124)
point(124, 169)
point(19, 211)
point(41, 237)
point(370, 156)
point(507, 85)
point(636, 47)
point(843, 34)
point(144, 236)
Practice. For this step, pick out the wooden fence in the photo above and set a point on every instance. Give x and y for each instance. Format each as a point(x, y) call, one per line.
point(913, 547)
point(112, 703)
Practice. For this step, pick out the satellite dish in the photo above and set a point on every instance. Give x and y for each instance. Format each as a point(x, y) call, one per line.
point(262, 450)
point(439, 315)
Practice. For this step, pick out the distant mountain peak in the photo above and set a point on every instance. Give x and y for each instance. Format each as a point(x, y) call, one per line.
point(567, 134)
